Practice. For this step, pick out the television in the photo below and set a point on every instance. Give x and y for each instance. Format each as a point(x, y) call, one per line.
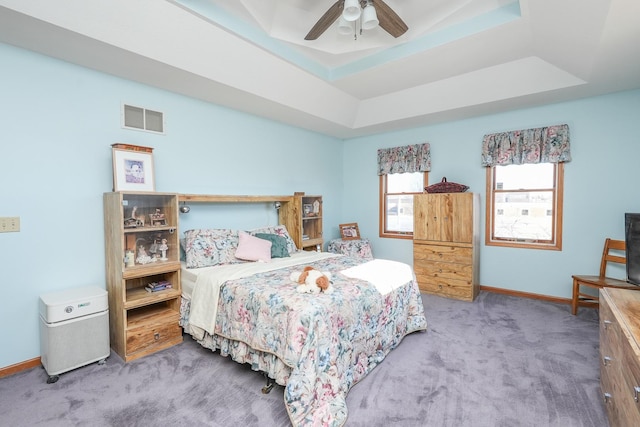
point(632, 241)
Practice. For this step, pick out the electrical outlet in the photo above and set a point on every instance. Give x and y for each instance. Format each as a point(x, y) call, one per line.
point(9, 224)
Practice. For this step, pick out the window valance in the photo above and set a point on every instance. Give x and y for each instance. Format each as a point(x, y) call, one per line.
point(538, 145)
point(409, 158)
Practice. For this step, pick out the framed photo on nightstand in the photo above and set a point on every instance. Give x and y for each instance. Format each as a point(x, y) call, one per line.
point(349, 231)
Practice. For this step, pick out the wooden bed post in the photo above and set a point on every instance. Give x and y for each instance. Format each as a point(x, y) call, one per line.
point(290, 216)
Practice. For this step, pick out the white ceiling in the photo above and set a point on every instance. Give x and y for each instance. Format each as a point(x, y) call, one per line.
point(288, 21)
point(459, 59)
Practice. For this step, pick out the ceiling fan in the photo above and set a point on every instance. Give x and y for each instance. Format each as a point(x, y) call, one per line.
point(389, 20)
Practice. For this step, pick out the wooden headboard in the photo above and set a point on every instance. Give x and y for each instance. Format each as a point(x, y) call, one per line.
point(216, 198)
point(289, 214)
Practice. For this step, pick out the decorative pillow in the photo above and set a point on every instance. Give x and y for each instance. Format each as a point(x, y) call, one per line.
point(252, 248)
point(183, 253)
point(278, 244)
point(207, 247)
point(279, 230)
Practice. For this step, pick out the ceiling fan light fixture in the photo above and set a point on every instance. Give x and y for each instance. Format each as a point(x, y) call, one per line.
point(345, 27)
point(369, 17)
point(351, 10)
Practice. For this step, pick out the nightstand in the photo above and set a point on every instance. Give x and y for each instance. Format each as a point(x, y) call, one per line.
point(358, 248)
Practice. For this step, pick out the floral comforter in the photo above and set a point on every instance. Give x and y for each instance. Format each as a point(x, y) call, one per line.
point(329, 342)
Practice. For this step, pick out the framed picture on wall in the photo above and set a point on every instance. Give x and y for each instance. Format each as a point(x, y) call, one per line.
point(349, 231)
point(132, 168)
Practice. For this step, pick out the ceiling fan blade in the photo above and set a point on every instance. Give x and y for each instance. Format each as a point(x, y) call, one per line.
point(389, 20)
point(326, 20)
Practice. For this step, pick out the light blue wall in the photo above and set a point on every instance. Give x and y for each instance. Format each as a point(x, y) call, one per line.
point(58, 123)
point(601, 184)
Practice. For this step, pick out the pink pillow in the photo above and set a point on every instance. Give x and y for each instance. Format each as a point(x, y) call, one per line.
point(252, 248)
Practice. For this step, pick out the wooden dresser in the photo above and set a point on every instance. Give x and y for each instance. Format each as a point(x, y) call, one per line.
point(620, 355)
point(445, 244)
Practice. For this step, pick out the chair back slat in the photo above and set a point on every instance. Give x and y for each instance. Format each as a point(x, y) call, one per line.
point(614, 251)
point(607, 255)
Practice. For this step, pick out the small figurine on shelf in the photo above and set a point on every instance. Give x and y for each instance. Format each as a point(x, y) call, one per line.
point(158, 219)
point(133, 221)
point(163, 250)
point(143, 257)
point(316, 207)
point(153, 249)
point(306, 209)
point(129, 258)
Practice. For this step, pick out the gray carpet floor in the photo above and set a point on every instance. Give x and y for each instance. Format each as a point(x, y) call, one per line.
point(499, 361)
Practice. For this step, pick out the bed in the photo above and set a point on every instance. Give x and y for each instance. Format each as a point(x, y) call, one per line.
point(316, 345)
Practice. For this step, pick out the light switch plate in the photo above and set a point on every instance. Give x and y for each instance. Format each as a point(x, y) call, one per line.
point(9, 224)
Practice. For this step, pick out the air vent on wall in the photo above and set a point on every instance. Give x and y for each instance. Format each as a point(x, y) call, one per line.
point(142, 119)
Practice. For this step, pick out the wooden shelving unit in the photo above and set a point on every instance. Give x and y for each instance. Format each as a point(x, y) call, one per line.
point(303, 219)
point(142, 322)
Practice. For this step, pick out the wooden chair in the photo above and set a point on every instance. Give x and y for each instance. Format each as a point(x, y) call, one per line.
point(600, 281)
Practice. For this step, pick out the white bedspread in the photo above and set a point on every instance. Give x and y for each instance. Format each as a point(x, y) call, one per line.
point(384, 274)
point(204, 300)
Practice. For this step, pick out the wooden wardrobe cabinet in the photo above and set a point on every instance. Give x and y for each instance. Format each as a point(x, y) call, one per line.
point(445, 244)
point(620, 355)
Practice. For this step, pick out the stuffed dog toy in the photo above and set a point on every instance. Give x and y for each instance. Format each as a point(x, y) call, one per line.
point(312, 281)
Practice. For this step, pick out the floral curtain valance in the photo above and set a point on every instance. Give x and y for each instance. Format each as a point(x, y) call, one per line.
point(539, 145)
point(410, 158)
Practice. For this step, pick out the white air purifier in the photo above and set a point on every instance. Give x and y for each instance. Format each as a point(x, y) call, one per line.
point(74, 329)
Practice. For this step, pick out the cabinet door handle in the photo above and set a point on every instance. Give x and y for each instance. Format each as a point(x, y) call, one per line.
point(606, 361)
point(607, 397)
point(606, 323)
point(636, 391)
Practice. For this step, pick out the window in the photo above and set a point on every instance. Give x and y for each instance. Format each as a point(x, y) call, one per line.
point(524, 205)
point(403, 173)
point(396, 202)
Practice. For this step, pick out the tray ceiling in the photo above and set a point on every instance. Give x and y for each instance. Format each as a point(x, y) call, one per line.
point(459, 58)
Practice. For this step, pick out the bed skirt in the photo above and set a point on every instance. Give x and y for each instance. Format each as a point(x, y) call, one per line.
point(239, 351)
